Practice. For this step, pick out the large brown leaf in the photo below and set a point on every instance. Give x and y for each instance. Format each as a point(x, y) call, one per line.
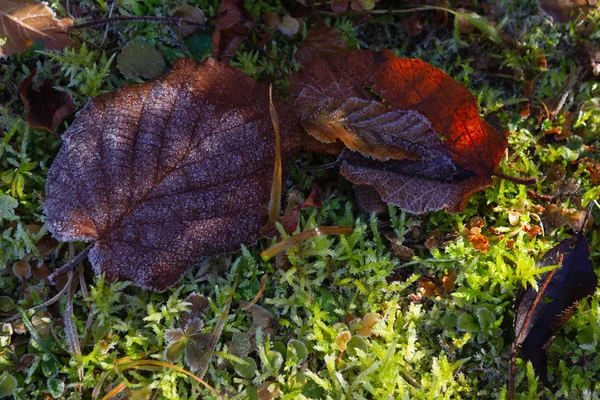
point(164, 173)
point(22, 22)
point(393, 109)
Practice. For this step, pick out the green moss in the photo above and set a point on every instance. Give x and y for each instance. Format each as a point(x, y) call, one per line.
point(453, 346)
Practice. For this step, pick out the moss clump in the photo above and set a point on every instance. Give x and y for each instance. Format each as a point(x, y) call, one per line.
point(447, 346)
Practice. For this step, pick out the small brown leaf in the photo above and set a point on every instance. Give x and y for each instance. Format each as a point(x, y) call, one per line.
point(23, 22)
point(261, 318)
point(46, 107)
point(189, 13)
point(339, 6)
point(232, 26)
point(321, 41)
point(565, 10)
point(162, 174)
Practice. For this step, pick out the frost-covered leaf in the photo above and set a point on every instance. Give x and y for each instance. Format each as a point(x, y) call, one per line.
point(8, 205)
point(22, 22)
point(162, 174)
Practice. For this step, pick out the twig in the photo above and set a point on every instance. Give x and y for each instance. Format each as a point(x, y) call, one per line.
point(216, 334)
point(62, 271)
point(166, 20)
point(321, 167)
point(514, 179)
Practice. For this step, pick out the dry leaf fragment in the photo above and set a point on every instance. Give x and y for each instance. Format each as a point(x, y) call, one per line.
point(480, 242)
point(189, 13)
point(321, 41)
point(339, 6)
point(23, 22)
point(164, 173)
point(46, 107)
point(565, 10)
point(232, 26)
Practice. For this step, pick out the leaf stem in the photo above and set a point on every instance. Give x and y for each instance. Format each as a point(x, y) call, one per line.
point(321, 167)
point(65, 269)
point(302, 236)
point(514, 179)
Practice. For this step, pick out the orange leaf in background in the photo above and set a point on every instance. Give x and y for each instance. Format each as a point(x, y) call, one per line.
point(415, 133)
point(24, 22)
point(430, 285)
point(480, 242)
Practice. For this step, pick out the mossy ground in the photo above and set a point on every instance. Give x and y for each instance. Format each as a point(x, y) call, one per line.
point(452, 346)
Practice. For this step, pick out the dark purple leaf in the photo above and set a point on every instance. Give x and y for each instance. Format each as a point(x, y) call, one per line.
point(164, 173)
point(540, 314)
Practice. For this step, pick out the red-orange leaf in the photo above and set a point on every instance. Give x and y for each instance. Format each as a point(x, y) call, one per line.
point(164, 173)
point(415, 133)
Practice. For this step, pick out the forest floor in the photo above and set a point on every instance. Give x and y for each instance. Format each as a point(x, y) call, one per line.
point(337, 316)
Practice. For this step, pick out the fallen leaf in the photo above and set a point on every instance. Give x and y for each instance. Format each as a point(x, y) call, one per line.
point(197, 308)
point(162, 174)
point(369, 201)
point(189, 13)
point(416, 134)
point(23, 22)
point(45, 106)
point(480, 242)
point(261, 318)
point(321, 41)
point(141, 59)
point(232, 26)
point(339, 6)
point(589, 55)
point(564, 10)
point(541, 313)
point(289, 220)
